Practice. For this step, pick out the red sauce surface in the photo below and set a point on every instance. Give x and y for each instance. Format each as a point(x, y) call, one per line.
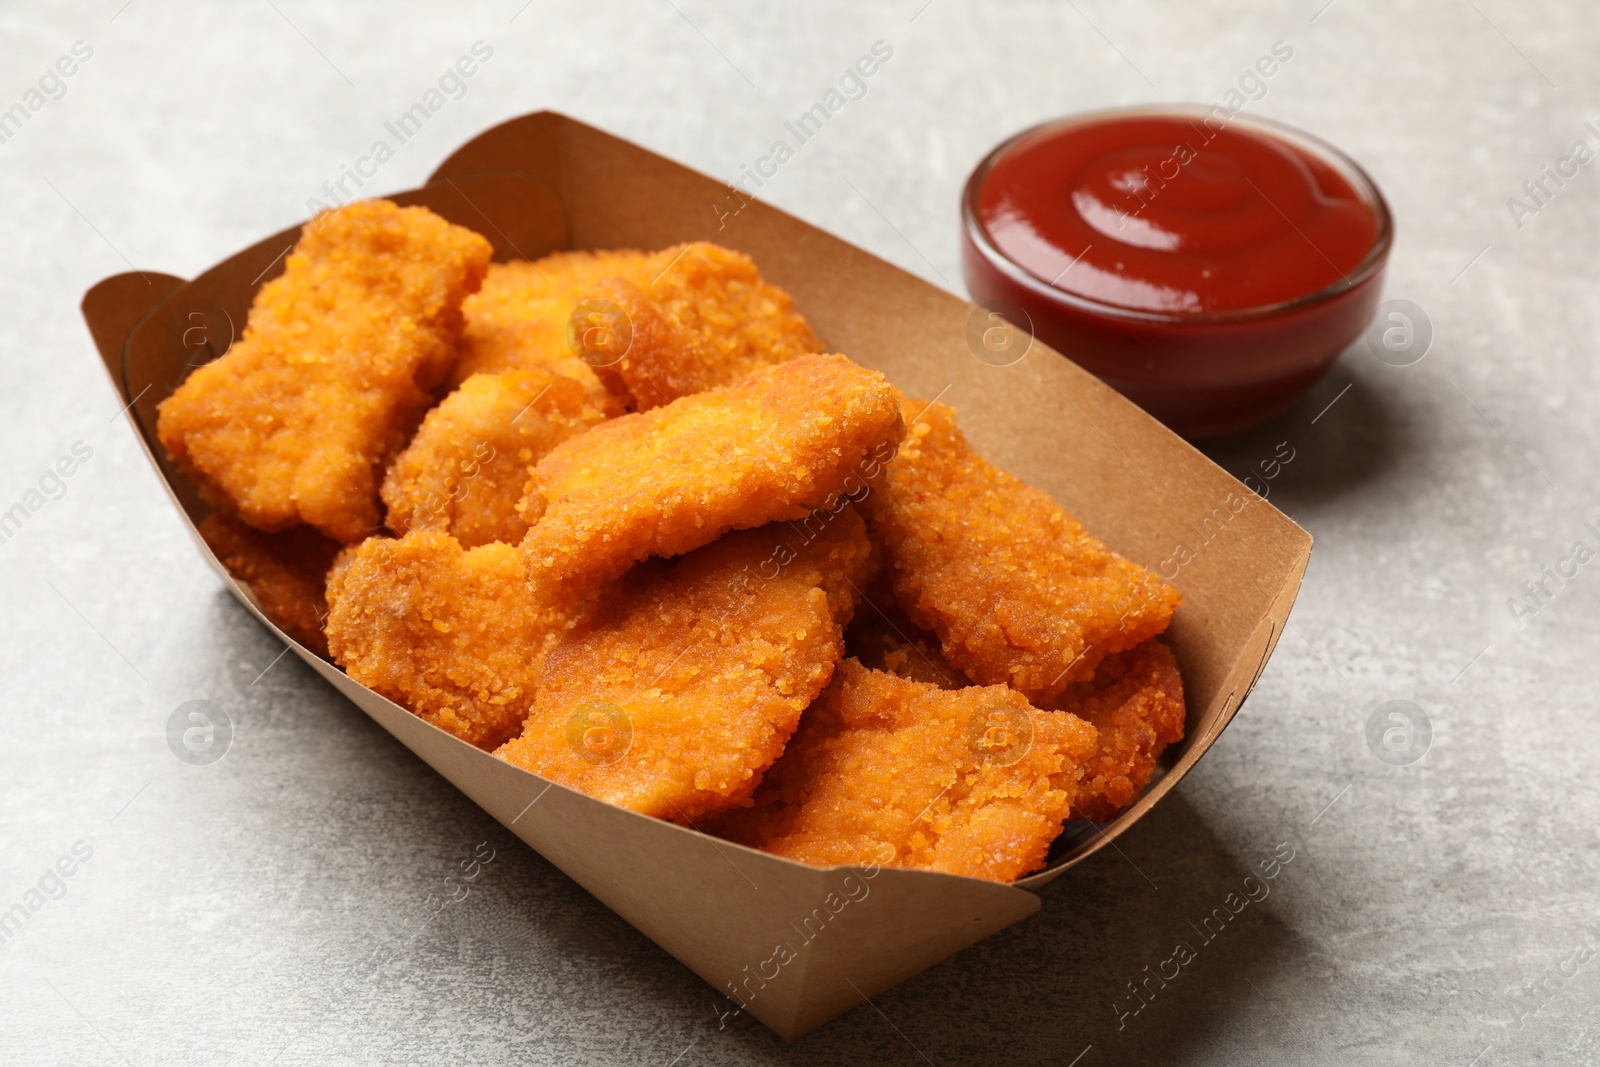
point(1166, 213)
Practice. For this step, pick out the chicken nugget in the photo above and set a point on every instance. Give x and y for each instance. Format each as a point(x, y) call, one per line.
point(333, 370)
point(888, 771)
point(519, 319)
point(699, 316)
point(465, 469)
point(1135, 701)
point(682, 688)
point(770, 447)
point(453, 635)
point(285, 571)
point(1018, 592)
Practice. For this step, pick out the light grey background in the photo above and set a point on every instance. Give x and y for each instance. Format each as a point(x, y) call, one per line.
point(274, 907)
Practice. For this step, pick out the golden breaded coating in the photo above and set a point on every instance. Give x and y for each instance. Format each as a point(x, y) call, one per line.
point(294, 423)
point(1135, 701)
point(770, 447)
point(884, 639)
point(451, 634)
point(519, 318)
point(465, 469)
point(683, 687)
point(285, 571)
point(894, 772)
point(1016, 589)
point(700, 316)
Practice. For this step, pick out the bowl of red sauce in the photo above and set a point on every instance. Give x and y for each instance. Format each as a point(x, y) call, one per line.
point(1210, 267)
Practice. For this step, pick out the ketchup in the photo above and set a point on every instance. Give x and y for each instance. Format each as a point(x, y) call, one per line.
point(1174, 214)
point(1208, 265)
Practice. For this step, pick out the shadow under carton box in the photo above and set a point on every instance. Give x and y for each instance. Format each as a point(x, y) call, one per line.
point(736, 916)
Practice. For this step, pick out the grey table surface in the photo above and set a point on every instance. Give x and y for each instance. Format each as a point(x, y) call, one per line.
point(263, 909)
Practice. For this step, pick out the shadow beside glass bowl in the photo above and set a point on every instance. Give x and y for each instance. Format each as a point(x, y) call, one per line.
point(1203, 374)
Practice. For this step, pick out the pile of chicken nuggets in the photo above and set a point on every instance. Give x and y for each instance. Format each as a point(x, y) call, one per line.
point(620, 519)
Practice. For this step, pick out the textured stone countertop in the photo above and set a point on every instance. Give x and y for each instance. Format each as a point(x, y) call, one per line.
point(259, 910)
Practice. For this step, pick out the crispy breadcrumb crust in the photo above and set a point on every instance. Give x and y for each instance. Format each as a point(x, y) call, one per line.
point(465, 469)
point(684, 686)
point(1016, 589)
point(700, 316)
point(518, 319)
point(451, 634)
point(286, 571)
point(1135, 701)
point(770, 447)
point(334, 368)
point(888, 771)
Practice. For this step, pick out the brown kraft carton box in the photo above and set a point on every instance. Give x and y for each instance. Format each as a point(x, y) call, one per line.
point(789, 944)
